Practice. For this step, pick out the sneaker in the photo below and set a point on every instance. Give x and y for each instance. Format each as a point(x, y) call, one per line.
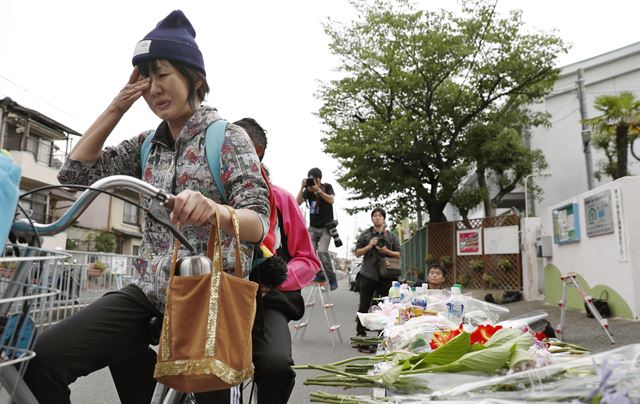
point(319, 278)
point(333, 284)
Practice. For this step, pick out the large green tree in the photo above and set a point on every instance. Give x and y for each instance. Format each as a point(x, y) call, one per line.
point(495, 147)
point(615, 129)
point(411, 85)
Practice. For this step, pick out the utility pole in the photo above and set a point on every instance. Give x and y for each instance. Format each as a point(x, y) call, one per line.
point(586, 132)
point(419, 212)
point(346, 251)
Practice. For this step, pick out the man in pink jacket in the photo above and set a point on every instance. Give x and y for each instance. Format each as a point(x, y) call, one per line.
point(272, 344)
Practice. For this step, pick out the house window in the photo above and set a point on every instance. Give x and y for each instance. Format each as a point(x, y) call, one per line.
point(41, 149)
point(130, 214)
point(32, 145)
point(135, 250)
point(44, 151)
point(13, 138)
point(36, 206)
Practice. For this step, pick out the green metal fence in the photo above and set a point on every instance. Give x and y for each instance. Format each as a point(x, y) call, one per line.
point(413, 255)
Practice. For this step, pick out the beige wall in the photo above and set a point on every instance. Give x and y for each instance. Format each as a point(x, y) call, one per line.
point(97, 214)
point(33, 170)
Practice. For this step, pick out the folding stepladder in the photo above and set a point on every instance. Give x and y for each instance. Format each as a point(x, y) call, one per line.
point(318, 291)
point(570, 280)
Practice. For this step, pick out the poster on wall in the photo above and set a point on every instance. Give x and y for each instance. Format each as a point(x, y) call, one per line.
point(598, 214)
point(566, 224)
point(119, 265)
point(469, 242)
point(501, 240)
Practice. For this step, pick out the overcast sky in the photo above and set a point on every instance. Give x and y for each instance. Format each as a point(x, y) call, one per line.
point(264, 59)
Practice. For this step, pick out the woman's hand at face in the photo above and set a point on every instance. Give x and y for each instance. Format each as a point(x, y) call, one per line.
point(190, 207)
point(133, 90)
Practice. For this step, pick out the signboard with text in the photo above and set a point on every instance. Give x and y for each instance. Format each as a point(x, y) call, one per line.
point(598, 214)
point(566, 224)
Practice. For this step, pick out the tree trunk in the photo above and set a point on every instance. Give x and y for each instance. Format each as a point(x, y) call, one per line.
point(436, 213)
point(464, 213)
point(622, 145)
point(489, 210)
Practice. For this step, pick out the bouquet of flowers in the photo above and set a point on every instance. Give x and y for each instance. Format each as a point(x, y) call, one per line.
point(478, 356)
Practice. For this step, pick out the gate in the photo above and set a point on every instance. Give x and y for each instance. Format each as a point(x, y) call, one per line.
point(437, 242)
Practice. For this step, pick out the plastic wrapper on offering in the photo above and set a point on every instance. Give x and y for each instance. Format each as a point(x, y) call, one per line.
point(375, 320)
point(612, 376)
point(381, 316)
point(414, 335)
point(524, 320)
point(480, 312)
point(437, 299)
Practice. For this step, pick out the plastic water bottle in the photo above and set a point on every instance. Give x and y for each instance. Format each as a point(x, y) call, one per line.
point(405, 292)
point(455, 305)
point(394, 292)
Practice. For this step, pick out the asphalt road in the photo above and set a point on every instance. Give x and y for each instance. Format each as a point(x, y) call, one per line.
point(316, 346)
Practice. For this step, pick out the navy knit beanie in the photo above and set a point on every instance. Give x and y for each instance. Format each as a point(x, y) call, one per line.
point(172, 39)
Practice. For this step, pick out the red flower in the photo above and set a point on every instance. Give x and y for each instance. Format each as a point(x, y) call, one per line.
point(540, 336)
point(441, 338)
point(483, 333)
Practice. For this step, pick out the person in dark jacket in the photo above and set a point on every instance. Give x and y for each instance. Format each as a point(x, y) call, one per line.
point(374, 243)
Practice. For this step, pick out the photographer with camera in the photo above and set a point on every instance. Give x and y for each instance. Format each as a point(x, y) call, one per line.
point(374, 243)
point(322, 226)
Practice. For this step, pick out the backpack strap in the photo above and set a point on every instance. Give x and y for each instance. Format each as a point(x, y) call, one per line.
point(214, 138)
point(145, 149)
point(213, 144)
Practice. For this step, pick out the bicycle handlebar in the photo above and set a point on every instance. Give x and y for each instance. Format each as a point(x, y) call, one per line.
point(22, 227)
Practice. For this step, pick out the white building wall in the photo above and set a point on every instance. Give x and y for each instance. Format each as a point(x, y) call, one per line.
point(561, 143)
point(612, 260)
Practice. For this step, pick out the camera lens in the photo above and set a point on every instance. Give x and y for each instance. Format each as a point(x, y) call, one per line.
point(381, 242)
point(332, 227)
point(311, 182)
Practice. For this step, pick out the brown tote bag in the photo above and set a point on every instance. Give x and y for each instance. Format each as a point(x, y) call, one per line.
point(205, 342)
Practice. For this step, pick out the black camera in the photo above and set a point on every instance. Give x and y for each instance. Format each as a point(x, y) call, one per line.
point(332, 226)
point(310, 182)
point(382, 242)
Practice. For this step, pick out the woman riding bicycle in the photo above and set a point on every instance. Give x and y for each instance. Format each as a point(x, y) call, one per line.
point(114, 331)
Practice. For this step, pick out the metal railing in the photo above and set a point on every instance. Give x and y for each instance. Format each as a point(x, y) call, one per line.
point(81, 283)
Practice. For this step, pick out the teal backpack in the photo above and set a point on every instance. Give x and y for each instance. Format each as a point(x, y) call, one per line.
point(213, 145)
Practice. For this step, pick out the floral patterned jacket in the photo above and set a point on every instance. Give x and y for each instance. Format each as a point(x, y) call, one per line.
point(174, 168)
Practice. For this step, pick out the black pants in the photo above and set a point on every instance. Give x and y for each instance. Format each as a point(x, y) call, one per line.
point(113, 331)
point(369, 289)
point(272, 359)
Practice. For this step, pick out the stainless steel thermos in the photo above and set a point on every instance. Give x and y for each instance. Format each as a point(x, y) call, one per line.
point(193, 265)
